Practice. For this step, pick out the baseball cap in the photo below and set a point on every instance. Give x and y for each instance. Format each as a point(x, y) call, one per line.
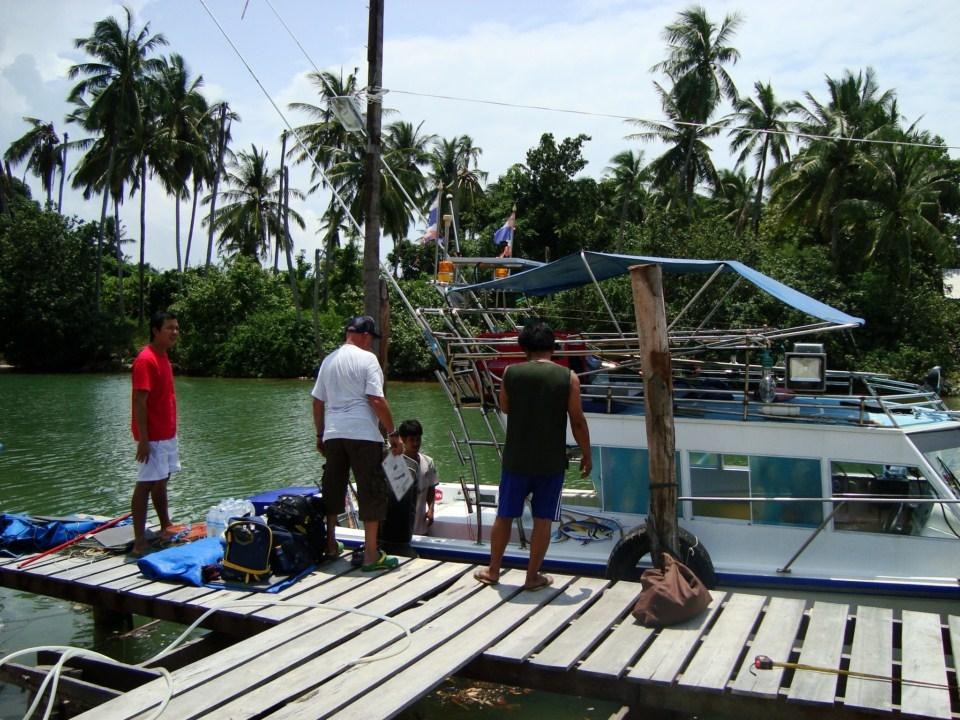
point(362, 324)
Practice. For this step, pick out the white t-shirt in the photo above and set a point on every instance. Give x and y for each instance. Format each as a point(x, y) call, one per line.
point(347, 376)
point(425, 474)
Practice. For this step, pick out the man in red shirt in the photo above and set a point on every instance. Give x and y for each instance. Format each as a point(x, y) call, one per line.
point(154, 426)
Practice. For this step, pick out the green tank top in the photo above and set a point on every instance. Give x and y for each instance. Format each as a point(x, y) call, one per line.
point(537, 393)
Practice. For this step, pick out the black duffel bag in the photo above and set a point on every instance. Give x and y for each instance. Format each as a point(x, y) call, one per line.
point(302, 516)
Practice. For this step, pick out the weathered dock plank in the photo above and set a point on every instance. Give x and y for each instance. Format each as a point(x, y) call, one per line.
point(316, 687)
point(775, 638)
point(539, 629)
point(665, 656)
point(241, 669)
point(385, 688)
point(577, 639)
point(872, 653)
point(715, 660)
point(822, 647)
point(923, 662)
point(611, 658)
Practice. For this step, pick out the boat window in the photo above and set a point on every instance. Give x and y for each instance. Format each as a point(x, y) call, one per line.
point(740, 477)
point(622, 478)
point(880, 498)
point(785, 477)
point(941, 448)
point(711, 479)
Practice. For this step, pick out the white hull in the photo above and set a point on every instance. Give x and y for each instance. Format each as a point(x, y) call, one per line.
point(743, 555)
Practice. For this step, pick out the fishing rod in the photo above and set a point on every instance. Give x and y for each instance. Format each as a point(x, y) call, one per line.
point(763, 662)
point(76, 539)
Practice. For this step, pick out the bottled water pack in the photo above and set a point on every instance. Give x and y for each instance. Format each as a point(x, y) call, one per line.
point(223, 512)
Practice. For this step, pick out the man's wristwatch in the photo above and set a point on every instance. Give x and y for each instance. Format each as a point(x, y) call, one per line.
point(394, 433)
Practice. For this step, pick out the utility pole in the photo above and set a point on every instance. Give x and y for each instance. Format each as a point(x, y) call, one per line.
point(371, 170)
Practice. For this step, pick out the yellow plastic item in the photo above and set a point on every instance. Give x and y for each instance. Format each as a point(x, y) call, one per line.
point(501, 272)
point(445, 272)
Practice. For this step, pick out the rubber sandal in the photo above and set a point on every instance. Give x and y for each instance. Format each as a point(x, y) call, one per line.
point(545, 582)
point(332, 556)
point(481, 577)
point(384, 562)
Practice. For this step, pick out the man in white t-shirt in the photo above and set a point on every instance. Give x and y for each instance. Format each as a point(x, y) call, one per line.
point(348, 410)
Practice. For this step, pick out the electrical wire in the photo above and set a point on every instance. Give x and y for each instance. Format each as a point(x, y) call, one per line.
point(373, 94)
point(683, 123)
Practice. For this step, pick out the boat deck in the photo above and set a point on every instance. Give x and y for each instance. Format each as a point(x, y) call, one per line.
point(345, 660)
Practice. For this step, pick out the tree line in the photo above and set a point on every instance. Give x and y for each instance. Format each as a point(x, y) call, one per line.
point(835, 193)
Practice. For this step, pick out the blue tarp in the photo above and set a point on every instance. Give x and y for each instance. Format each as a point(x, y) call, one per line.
point(23, 534)
point(182, 563)
point(571, 272)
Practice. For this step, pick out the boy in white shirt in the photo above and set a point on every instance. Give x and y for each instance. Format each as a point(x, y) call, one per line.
point(424, 473)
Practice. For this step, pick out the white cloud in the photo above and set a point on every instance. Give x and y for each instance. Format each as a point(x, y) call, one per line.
point(587, 55)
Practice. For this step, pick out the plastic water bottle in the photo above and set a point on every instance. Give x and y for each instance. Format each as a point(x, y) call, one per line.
point(215, 523)
point(767, 390)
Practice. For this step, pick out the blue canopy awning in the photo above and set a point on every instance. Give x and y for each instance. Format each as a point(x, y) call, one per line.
point(571, 272)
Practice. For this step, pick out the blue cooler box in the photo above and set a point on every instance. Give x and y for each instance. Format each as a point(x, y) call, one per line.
point(262, 501)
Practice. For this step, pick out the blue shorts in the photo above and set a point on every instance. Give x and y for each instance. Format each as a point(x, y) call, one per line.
point(514, 488)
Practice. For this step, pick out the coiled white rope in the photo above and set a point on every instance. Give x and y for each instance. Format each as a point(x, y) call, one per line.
point(53, 677)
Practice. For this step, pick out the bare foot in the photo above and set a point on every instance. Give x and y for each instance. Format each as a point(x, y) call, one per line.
point(171, 531)
point(140, 549)
point(484, 576)
point(539, 583)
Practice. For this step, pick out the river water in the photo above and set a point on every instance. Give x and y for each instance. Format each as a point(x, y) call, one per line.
point(67, 448)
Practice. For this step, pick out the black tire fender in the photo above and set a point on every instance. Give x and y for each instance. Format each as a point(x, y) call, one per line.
point(624, 560)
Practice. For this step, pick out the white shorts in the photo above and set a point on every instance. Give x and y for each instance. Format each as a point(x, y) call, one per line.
point(164, 460)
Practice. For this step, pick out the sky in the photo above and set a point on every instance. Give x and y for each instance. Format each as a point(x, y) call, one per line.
point(590, 58)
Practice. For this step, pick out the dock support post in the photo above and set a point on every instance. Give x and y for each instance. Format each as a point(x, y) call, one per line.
point(105, 619)
point(651, 318)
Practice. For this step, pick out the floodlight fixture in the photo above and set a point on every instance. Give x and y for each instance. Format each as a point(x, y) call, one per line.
point(806, 367)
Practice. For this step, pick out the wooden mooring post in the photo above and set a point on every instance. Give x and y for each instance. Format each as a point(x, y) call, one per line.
point(651, 317)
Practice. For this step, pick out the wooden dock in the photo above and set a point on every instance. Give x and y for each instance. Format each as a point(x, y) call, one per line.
point(292, 660)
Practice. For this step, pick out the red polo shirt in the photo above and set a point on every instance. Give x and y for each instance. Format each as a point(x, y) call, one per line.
point(153, 373)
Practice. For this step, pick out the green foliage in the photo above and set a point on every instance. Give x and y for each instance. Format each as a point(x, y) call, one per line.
point(408, 354)
point(48, 318)
point(269, 344)
point(240, 321)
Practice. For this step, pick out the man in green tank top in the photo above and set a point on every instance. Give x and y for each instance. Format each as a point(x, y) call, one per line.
point(538, 397)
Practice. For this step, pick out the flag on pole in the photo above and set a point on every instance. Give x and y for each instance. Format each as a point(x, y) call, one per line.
point(432, 216)
point(504, 236)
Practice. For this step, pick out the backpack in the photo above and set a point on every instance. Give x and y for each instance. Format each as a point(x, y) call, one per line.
point(291, 552)
point(247, 550)
point(304, 517)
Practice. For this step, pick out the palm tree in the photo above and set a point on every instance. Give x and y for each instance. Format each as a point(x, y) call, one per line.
point(630, 178)
point(181, 109)
point(404, 154)
point(454, 164)
point(114, 82)
point(907, 185)
point(697, 53)
point(735, 193)
point(326, 142)
point(762, 131)
point(41, 147)
point(686, 163)
point(252, 206)
point(825, 173)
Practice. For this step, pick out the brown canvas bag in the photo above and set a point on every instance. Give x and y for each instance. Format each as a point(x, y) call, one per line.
point(671, 595)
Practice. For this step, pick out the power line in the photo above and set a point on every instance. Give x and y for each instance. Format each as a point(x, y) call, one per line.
point(787, 133)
